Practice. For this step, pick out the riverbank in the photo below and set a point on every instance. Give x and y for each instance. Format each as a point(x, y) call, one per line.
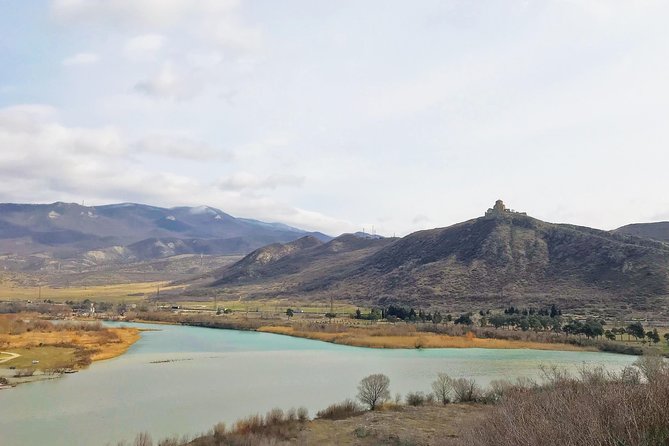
point(381, 336)
point(361, 337)
point(38, 349)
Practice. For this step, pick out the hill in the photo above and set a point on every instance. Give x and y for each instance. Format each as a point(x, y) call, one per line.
point(500, 259)
point(656, 231)
point(38, 236)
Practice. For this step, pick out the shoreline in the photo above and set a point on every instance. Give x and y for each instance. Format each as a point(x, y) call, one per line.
point(356, 337)
point(418, 341)
point(83, 344)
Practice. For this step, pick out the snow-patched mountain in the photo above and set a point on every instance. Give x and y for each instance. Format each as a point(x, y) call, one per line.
point(133, 232)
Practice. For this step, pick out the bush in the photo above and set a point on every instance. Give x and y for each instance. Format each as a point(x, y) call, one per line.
point(466, 390)
point(340, 411)
point(415, 398)
point(596, 408)
point(652, 366)
point(302, 414)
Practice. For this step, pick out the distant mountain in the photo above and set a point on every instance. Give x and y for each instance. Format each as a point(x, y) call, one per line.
point(304, 258)
point(501, 258)
point(656, 231)
point(132, 232)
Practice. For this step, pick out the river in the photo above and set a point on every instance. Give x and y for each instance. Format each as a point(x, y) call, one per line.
point(221, 375)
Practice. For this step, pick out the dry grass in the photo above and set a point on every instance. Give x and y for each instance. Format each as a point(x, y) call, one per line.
point(391, 337)
point(37, 339)
point(128, 292)
point(596, 409)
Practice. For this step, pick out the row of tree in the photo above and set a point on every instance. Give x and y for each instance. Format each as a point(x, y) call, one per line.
point(535, 319)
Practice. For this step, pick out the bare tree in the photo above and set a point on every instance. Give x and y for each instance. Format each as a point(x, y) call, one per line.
point(442, 387)
point(143, 439)
point(374, 389)
point(465, 390)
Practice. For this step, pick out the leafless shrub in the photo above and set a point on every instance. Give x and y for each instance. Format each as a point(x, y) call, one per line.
point(274, 417)
point(415, 398)
point(651, 366)
point(340, 411)
point(593, 375)
point(465, 390)
point(302, 414)
point(630, 375)
point(219, 430)
point(248, 425)
point(143, 439)
point(594, 408)
point(554, 375)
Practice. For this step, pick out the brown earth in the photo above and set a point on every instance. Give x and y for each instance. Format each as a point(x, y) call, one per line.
point(405, 425)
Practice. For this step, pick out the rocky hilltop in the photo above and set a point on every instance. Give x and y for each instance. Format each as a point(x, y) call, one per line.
point(501, 258)
point(656, 231)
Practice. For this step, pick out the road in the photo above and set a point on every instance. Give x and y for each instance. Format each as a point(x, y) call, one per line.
point(11, 356)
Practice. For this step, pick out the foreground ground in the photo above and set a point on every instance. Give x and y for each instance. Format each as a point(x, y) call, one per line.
point(404, 425)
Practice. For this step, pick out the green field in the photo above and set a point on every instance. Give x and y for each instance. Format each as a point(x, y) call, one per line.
point(49, 357)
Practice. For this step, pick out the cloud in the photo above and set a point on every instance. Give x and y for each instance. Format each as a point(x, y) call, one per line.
point(144, 45)
point(180, 147)
point(247, 181)
point(139, 12)
point(420, 218)
point(214, 21)
point(74, 163)
point(169, 84)
point(81, 59)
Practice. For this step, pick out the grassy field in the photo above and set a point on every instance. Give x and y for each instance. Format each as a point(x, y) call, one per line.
point(57, 346)
point(128, 292)
point(273, 306)
point(49, 357)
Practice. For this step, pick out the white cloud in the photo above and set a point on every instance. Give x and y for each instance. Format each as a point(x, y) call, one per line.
point(144, 45)
point(215, 21)
point(81, 59)
point(167, 83)
point(96, 164)
point(180, 147)
point(431, 110)
point(247, 181)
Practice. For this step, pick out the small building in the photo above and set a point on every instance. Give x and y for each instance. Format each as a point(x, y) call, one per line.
point(500, 210)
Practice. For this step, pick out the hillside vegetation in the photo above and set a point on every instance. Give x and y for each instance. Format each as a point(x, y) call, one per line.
point(498, 261)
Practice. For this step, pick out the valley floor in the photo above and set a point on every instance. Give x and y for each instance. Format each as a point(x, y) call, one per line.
point(422, 425)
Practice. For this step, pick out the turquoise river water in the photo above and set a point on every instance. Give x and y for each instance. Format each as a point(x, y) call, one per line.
point(222, 375)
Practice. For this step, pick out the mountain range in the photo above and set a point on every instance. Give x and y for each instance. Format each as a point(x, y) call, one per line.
point(130, 232)
point(502, 258)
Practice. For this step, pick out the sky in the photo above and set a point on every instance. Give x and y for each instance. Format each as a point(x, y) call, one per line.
point(340, 115)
